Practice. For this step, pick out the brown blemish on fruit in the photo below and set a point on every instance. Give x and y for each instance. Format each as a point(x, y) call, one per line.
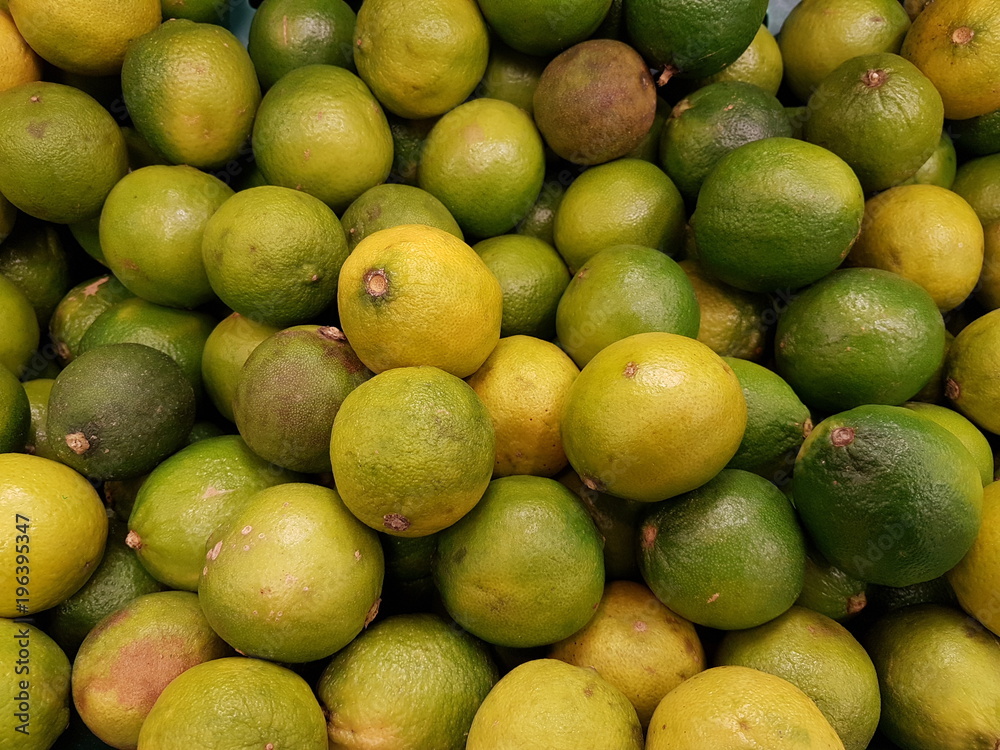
point(332, 333)
point(630, 370)
point(246, 529)
point(592, 483)
point(376, 283)
point(874, 78)
point(314, 278)
point(133, 540)
point(639, 626)
point(306, 154)
point(856, 603)
point(214, 552)
point(78, 443)
point(952, 389)
point(589, 691)
point(35, 99)
point(357, 555)
point(395, 522)
point(372, 612)
point(682, 106)
point(62, 350)
point(284, 30)
point(91, 289)
point(962, 35)
point(712, 598)
point(842, 436)
point(649, 534)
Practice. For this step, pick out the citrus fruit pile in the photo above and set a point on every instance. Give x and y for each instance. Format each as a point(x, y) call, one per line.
point(500, 374)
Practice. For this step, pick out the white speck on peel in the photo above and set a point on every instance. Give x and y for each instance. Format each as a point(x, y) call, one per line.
point(204, 571)
point(260, 535)
point(357, 554)
point(289, 578)
point(246, 547)
point(246, 530)
point(712, 598)
point(305, 588)
point(639, 626)
point(269, 746)
point(214, 552)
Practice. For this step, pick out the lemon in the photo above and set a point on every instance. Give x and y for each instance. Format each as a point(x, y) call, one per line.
point(548, 703)
point(83, 36)
point(653, 415)
point(973, 577)
point(416, 295)
point(274, 254)
point(268, 586)
point(37, 674)
point(411, 681)
point(819, 35)
point(58, 534)
point(226, 350)
point(486, 162)
point(412, 450)
point(738, 708)
point(192, 113)
point(924, 233)
point(624, 202)
point(60, 152)
point(622, 291)
point(235, 702)
point(390, 205)
point(420, 58)
point(732, 321)
point(21, 62)
point(320, 130)
point(636, 644)
point(532, 279)
point(151, 230)
point(289, 34)
point(524, 384)
point(972, 372)
point(955, 45)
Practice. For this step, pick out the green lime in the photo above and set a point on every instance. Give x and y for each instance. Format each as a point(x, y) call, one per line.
point(761, 64)
point(81, 306)
point(33, 258)
point(226, 350)
point(964, 430)
point(15, 409)
point(511, 76)
point(385, 206)
point(37, 391)
point(546, 27)
point(830, 591)
point(37, 675)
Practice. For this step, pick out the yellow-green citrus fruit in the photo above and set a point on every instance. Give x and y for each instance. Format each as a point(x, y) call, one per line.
point(485, 162)
point(21, 63)
point(624, 202)
point(319, 568)
point(973, 372)
point(830, 591)
point(819, 657)
point(738, 708)
point(200, 115)
point(226, 350)
point(636, 644)
point(888, 496)
point(16, 414)
point(248, 702)
point(416, 295)
point(544, 27)
point(653, 415)
point(727, 555)
point(188, 498)
point(511, 76)
point(964, 430)
point(81, 306)
point(857, 95)
point(408, 681)
point(623, 291)
point(310, 370)
point(118, 410)
point(973, 578)
point(57, 534)
point(320, 130)
point(420, 58)
point(692, 37)
point(60, 152)
point(37, 678)
point(941, 167)
point(393, 204)
point(777, 214)
point(978, 182)
point(760, 64)
point(524, 384)
point(82, 36)
point(548, 703)
point(924, 233)
point(532, 278)
point(37, 391)
point(151, 230)
point(132, 655)
point(289, 34)
point(274, 254)
point(956, 708)
point(859, 336)
point(412, 450)
point(524, 568)
point(203, 11)
point(34, 259)
point(819, 35)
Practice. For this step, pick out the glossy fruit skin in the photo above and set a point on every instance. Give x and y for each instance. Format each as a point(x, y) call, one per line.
point(694, 37)
point(887, 495)
point(544, 27)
